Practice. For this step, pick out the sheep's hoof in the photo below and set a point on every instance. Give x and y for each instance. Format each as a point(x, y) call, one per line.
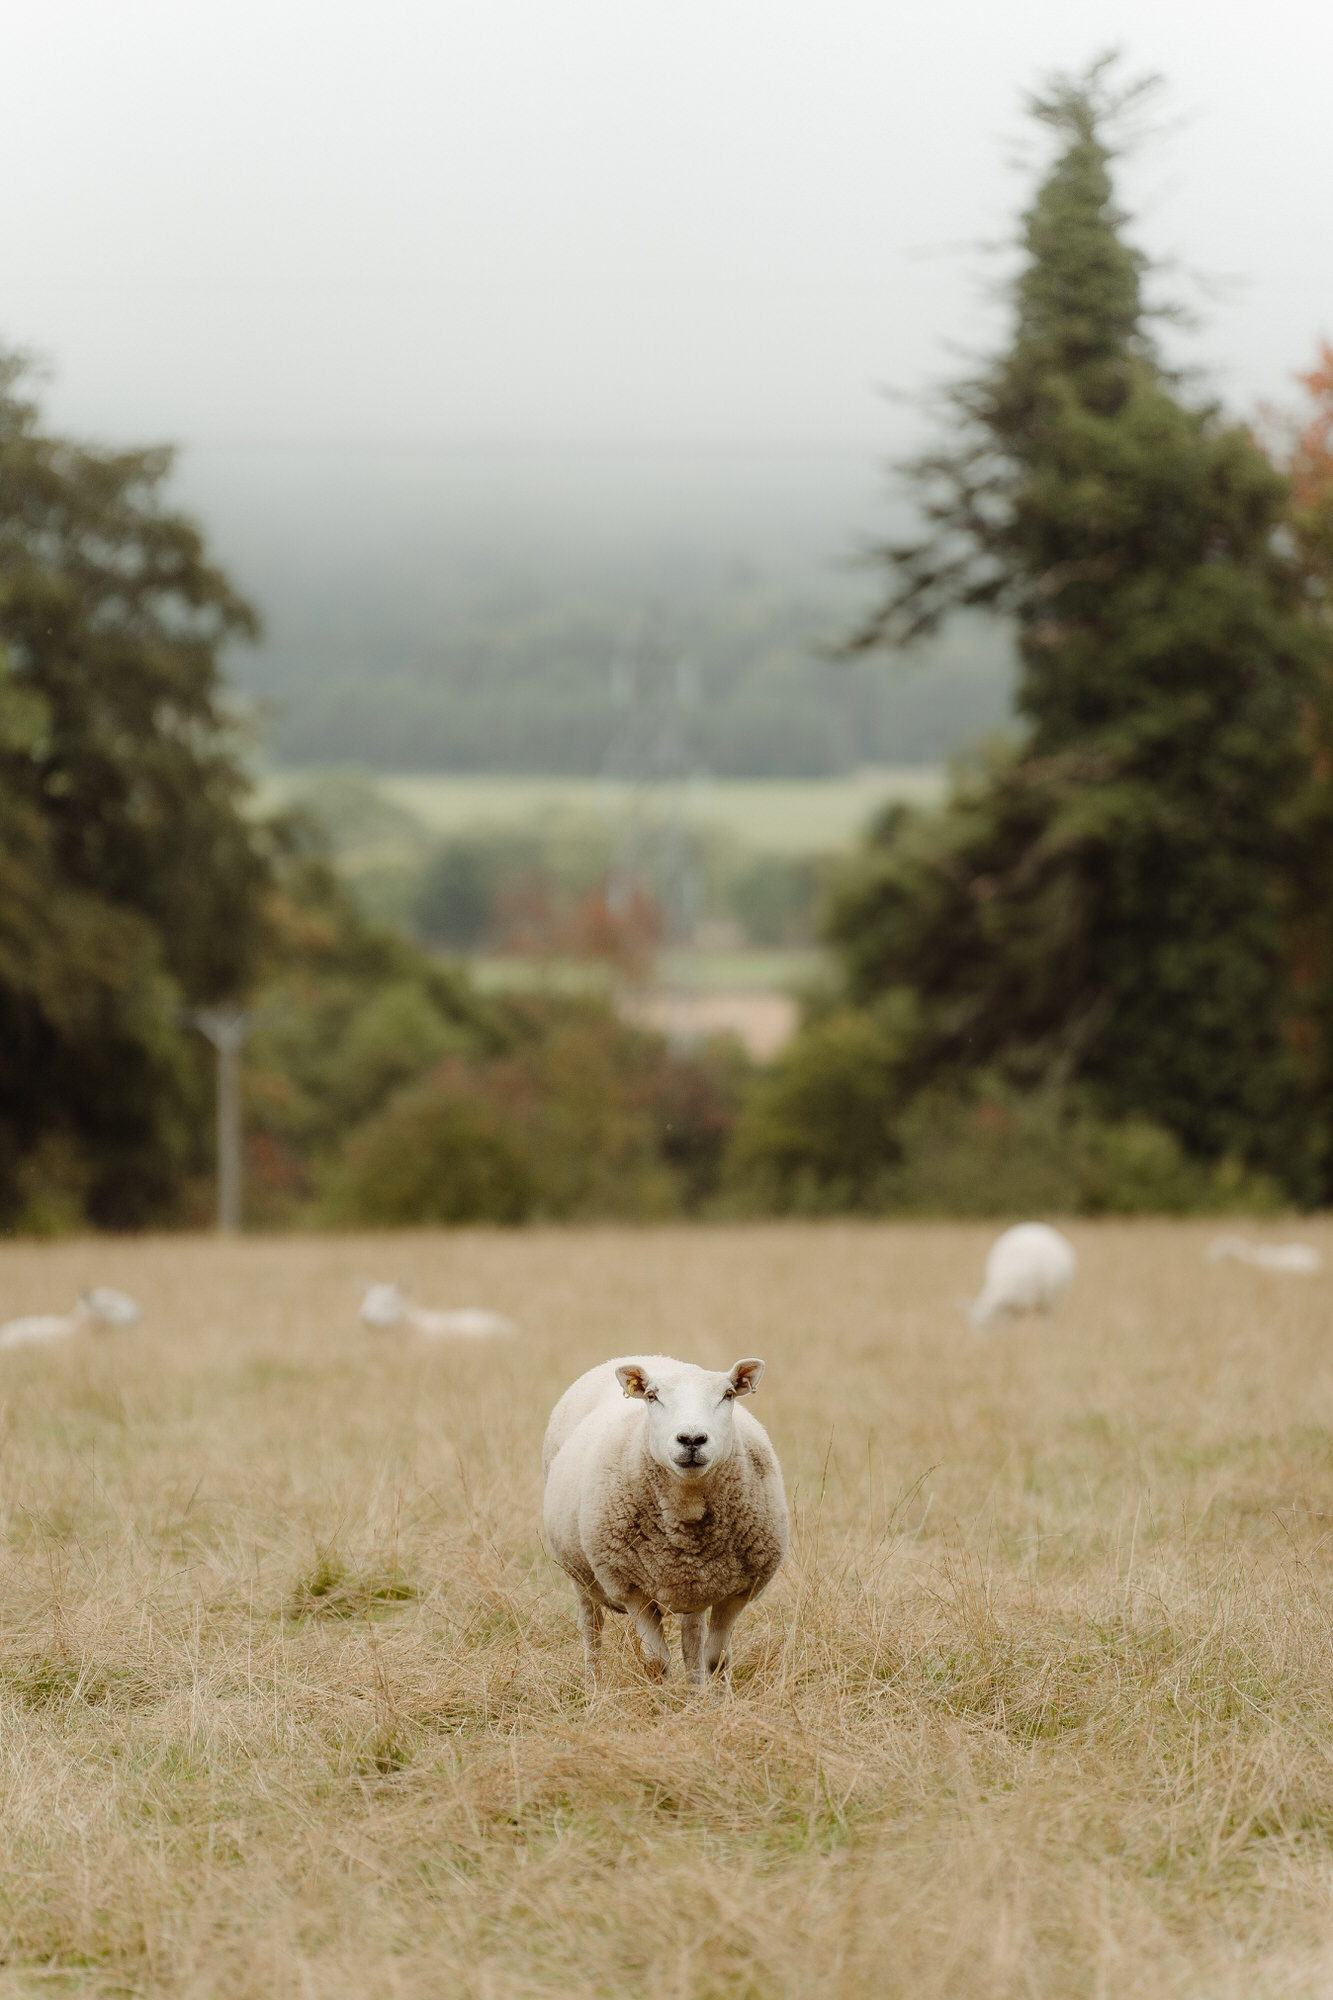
point(656, 1669)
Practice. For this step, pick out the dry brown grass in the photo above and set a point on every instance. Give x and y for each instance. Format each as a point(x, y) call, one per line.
point(1039, 1707)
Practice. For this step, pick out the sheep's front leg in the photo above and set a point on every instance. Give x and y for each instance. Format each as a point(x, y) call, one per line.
point(717, 1653)
point(645, 1619)
point(591, 1619)
point(692, 1627)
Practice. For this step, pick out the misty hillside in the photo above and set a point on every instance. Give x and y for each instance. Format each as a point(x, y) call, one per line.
point(460, 609)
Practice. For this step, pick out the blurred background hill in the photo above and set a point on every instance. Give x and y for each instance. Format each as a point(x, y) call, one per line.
point(459, 608)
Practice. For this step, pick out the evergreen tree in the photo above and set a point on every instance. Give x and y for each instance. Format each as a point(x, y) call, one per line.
point(132, 881)
point(1305, 454)
point(1113, 905)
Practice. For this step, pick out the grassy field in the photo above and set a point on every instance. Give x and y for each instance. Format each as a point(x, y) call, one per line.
point(681, 970)
point(1041, 1705)
point(772, 815)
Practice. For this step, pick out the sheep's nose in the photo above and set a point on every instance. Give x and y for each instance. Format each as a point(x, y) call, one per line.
point(691, 1443)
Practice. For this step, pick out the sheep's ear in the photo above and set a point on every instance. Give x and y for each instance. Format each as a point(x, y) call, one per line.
point(633, 1379)
point(745, 1377)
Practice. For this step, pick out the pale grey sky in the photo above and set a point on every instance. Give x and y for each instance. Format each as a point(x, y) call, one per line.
point(602, 220)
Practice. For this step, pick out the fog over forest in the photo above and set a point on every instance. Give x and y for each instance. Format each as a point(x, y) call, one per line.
point(460, 607)
point(326, 247)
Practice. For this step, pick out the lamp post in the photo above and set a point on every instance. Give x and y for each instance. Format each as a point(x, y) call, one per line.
point(226, 1028)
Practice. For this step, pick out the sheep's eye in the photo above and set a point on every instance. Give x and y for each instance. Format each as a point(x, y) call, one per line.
point(650, 1395)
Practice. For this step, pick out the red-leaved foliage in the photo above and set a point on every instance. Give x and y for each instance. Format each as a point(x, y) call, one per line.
point(1309, 466)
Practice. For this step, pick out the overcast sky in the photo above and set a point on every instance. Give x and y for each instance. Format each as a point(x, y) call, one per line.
point(601, 220)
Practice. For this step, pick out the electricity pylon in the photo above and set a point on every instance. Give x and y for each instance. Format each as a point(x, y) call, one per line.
point(654, 754)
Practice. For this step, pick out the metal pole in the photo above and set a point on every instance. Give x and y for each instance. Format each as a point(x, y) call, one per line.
point(229, 1139)
point(226, 1028)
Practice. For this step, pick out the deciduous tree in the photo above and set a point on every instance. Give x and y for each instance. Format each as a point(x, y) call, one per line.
point(132, 880)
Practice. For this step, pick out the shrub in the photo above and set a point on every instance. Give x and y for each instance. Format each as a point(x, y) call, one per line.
point(445, 1149)
point(579, 1115)
point(1134, 1167)
point(776, 897)
point(471, 881)
point(827, 1130)
point(349, 1015)
point(986, 1152)
point(819, 1131)
point(453, 905)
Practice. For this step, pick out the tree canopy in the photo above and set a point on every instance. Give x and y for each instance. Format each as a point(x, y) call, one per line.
point(132, 881)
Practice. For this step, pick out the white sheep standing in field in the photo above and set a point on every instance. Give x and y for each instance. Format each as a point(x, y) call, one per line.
point(102, 1307)
point(1300, 1258)
point(1027, 1269)
point(662, 1496)
point(386, 1306)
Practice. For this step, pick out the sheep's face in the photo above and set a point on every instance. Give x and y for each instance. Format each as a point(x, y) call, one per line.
point(690, 1412)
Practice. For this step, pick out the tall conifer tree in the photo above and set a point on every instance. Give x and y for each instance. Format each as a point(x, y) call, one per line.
point(1113, 905)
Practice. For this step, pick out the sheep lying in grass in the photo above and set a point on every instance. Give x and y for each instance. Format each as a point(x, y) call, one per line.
point(1027, 1269)
point(1300, 1258)
point(662, 1496)
point(386, 1306)
point(102, 1308)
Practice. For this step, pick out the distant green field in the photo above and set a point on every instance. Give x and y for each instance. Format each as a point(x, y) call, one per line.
point(681, 970)
point(774, 815)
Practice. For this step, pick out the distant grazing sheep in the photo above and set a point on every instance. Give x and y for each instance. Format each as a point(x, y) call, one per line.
point(102, 1307)
point(662, 1496)
point(386, 1306)
point(1026, 1271)
point(1301, 1258)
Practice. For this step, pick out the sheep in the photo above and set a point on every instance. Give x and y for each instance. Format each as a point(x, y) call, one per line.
point(1300, 1258)
point(386, 1306)
point(1026, 1271)
point(662, 1496)
point(102, 1307)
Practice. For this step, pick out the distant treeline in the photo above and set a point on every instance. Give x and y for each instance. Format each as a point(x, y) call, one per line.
point(517, 677)
point(461, 610)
